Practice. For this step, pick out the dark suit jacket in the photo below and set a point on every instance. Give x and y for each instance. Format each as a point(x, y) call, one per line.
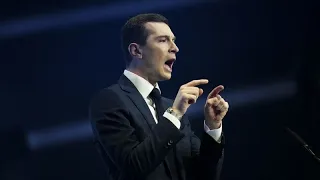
point(133, 146)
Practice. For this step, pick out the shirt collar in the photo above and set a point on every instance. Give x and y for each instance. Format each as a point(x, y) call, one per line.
point(142, 85)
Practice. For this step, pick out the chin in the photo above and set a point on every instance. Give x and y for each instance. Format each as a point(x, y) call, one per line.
point(165, 76)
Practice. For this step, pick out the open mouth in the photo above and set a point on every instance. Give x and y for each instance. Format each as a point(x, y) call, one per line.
point(169, 64)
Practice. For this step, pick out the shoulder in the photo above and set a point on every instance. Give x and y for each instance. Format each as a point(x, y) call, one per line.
point(109, 96)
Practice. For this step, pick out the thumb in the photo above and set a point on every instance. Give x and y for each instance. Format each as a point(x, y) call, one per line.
point(200, 91)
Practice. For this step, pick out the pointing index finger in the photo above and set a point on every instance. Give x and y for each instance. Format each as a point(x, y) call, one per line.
point(197, 82)
point(215, 91)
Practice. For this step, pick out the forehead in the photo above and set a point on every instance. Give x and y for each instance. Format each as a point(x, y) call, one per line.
point(158, 29)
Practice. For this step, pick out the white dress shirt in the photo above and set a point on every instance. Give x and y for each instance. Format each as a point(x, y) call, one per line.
point(145, 88)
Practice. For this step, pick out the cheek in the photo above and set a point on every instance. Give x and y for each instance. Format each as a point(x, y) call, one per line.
point(157, 57)
point(160, 55)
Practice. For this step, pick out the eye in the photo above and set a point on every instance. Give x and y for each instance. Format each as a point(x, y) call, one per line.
point(163, 40)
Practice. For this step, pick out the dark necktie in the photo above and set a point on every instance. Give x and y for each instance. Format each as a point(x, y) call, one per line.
point(156, 97)
point(171, 165)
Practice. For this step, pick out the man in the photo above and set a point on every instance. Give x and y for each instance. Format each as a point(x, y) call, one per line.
point(144, 136)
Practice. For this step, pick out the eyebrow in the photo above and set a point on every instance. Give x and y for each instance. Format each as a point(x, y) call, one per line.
point(167, 37)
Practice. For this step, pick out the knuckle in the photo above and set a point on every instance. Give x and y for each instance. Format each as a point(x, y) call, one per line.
point(198, 90)
point(209, 101)
point(215, 101)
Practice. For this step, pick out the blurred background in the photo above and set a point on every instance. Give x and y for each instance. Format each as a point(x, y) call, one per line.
point(56, 54)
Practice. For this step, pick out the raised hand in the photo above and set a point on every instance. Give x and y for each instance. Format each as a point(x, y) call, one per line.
point(215, 108)
point(187, 95)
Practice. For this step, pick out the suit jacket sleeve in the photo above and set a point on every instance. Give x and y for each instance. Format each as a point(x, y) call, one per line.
point(111, 123)
point(207, 155)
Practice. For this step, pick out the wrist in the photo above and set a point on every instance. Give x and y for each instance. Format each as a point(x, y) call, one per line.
point(175, 112)
point(213, 125)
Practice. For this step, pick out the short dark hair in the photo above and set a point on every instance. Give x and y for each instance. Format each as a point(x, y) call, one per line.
point(134, 31)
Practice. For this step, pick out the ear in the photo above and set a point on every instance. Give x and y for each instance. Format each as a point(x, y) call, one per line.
point(135, 50)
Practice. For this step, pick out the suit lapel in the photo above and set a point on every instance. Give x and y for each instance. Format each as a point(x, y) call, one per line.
point(127, 86)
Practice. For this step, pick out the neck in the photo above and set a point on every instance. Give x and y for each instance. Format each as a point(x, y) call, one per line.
point(142, 72)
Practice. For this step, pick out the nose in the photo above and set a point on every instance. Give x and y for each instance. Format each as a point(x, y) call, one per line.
point(174, 48)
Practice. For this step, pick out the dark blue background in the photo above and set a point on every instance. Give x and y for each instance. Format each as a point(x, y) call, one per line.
point(49, 76)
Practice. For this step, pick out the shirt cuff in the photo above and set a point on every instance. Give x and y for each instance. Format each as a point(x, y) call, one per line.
point(173, 119)
point(214, 133)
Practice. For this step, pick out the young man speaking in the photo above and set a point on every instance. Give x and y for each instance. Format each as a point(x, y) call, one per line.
point(142, 135)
